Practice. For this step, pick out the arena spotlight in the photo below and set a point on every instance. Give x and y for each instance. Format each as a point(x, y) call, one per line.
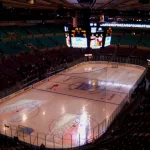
point(31, 1)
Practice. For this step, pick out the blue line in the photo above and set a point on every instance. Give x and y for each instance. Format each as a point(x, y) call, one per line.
point(77, 96)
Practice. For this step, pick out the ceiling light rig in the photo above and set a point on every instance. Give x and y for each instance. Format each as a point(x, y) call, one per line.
point(31, 1)
point(87, 3)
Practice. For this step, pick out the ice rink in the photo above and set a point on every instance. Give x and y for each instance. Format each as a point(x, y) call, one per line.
point(70, 104)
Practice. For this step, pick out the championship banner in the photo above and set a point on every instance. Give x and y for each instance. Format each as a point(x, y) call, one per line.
point(101, 17)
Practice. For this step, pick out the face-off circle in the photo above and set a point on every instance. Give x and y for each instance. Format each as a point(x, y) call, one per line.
point(72, 127)
point(20, 112)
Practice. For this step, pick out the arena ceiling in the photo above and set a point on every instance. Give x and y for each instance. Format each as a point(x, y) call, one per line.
point(74, 4)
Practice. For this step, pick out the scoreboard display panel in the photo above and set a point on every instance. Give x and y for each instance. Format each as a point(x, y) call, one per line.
point(107, 41)
point(108, 32)
point(96, 38)
point(78, 32)
point(78, 38)
point(67, 39)
point(108, 37)
point(67, 36)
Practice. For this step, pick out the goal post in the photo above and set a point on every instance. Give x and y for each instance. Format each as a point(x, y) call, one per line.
point(114, 65)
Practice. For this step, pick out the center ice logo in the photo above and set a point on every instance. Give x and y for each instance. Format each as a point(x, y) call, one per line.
point(87, 87)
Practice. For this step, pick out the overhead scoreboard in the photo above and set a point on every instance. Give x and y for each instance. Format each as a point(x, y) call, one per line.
point(93, 37)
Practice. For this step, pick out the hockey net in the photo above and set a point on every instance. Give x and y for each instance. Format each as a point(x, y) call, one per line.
point(114, 66)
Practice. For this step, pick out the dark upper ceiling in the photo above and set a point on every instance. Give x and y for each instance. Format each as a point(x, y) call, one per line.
point(74, 4)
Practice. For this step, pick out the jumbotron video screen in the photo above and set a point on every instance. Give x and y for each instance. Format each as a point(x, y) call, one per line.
point(96, 37)
point(80, 37)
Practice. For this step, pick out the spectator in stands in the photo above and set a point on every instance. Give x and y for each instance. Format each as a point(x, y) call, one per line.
point(42, 147)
